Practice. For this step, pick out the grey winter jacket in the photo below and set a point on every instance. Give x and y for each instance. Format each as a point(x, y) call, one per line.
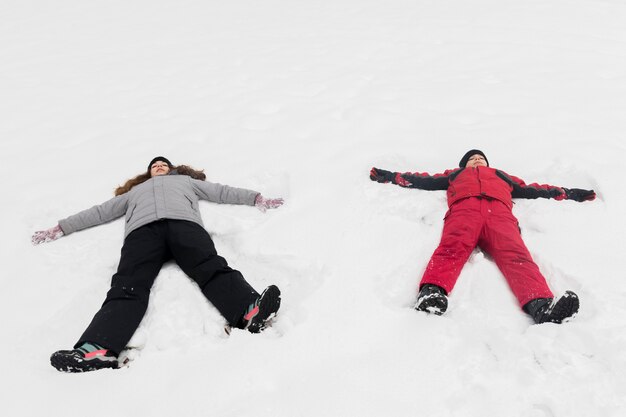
point(162, 197)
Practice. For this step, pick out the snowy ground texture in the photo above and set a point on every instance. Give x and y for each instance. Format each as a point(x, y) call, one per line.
point(299, 99)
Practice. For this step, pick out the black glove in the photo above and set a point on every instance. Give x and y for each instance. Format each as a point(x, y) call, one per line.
point(578, 194)
point(380, 175)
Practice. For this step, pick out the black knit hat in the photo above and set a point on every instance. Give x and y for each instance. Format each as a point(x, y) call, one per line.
point(469, 154)
point(159, 158)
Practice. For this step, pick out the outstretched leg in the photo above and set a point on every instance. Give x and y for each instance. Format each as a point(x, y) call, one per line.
point(461, 229)
point(501, 238)
point(143, 254)
point(224, 287)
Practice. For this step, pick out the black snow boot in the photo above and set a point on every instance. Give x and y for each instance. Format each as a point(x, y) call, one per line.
point(87, 357)
point(264, 308)
point(545, 310)
point(432, 299)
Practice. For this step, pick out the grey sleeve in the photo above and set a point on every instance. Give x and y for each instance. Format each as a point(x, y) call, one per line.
point(103, 213)
point(223, 194)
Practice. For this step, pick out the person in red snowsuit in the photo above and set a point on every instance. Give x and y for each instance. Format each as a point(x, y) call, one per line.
point(479, 214)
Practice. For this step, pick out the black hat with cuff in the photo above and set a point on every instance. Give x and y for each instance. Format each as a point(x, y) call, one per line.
point(159, 158)
point(469, 154)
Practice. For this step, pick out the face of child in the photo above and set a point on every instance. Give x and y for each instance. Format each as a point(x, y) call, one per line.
point(476, 160)
point(159, 168)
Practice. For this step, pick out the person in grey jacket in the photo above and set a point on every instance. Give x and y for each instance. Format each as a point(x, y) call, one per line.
point(162, 222)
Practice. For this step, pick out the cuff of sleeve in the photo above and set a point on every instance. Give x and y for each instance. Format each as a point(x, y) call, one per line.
point(65, 227)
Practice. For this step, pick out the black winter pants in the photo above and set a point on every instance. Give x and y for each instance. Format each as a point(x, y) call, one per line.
point(145, 250)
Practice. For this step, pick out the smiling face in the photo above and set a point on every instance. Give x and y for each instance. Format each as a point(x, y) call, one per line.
point(476, 160)
point(159, 168)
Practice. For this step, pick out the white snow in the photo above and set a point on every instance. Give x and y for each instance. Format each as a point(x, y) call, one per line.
point(299, 100)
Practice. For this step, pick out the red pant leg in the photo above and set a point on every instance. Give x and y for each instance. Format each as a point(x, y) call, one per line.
point(502, 240)
point(461, 231)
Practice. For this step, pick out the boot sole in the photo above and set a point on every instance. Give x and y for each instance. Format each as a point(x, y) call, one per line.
point(565, 308)
point(433, 304)
point(71, 364)
point(268, 306)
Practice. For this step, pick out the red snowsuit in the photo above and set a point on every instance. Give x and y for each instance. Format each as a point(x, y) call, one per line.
point(480, 203)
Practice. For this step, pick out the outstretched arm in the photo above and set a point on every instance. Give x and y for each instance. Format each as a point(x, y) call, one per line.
point(534, 190)
point(419, 180)
point(225, 194)
point(103, 213)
